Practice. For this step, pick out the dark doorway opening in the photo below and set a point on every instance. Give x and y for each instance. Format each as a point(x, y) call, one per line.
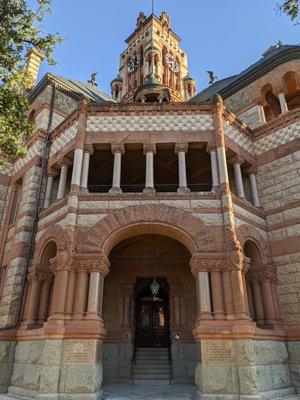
point(152, 314)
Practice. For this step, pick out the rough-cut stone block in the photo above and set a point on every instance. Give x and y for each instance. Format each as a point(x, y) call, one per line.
point(49, 379)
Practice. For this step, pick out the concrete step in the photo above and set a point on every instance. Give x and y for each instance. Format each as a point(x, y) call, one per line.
point(150, 367)
point(151, 371)
point(154, 376)
point(150, 382)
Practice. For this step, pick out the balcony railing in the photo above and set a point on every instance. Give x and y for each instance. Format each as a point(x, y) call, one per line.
point(160, 188)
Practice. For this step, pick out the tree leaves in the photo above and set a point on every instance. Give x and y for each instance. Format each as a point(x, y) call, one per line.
point(290, 7)
point(21, 29)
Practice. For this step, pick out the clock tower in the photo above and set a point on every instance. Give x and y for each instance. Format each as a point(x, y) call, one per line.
point(153, 68)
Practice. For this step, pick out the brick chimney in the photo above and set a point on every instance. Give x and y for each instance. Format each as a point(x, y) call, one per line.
point(34, 59)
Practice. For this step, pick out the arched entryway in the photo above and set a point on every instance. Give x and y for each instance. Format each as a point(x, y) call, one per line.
point(152, 322)
point(139, 316)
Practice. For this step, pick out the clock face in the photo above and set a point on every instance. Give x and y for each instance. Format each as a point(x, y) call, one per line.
point(133, 63)
point(172, 62)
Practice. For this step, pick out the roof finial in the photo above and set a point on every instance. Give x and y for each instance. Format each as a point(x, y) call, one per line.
point(152, 6)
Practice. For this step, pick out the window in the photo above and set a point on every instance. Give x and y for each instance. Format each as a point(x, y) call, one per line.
point(16, 202)
point(2, 279)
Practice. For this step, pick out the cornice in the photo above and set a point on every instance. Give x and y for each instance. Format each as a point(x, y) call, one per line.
point(141, 196)
point(245, 80)
point(147, 108)
point(281, 121)
point(232, 119)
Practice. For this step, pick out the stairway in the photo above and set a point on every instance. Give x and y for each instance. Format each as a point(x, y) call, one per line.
point(152, 366)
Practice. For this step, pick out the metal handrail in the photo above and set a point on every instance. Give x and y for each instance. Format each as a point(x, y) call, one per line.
point(133, 360)
point(170, 360)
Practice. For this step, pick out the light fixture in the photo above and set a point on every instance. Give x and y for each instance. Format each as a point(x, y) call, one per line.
point(154, 289)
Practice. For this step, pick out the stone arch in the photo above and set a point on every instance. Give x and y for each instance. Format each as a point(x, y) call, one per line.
point(154, 219)
point(248, 232)
point(54, 234)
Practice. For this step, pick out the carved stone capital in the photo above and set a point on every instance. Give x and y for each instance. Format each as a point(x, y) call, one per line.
point(52, 172)
point(252, 170)
point(38, 275)
point(210, 147)
point(88, 148)
point(65, 161)
point(208, 262)
point(62, 261)
point(263, 273)
point(149, 148)
point(89, 262)
point(117, 148)
point(236, 160)
point(181, 147)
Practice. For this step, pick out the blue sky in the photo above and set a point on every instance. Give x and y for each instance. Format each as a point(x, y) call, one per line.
point(225, 36)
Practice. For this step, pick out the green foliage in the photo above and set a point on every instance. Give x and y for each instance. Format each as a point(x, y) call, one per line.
point(21, 29)
point(291, 8)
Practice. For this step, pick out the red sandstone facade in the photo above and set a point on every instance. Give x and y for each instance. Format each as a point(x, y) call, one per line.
point(156, 183)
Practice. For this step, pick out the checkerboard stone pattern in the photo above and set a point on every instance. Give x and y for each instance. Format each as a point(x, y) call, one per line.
point(64, 138)
point(140, 123)
point(6, 169)
point(241, 139)
point(36, 149)
point(276, 139)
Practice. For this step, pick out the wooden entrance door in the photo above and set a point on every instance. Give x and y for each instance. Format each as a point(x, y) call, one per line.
point(153, 324)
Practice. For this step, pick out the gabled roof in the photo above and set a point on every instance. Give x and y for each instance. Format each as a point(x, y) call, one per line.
point(228, 86)
point(72, 87)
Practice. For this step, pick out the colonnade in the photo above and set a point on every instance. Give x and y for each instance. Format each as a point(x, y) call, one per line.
point(262, 294)
point(224, 292)
point(81, 164)
point(66, 292)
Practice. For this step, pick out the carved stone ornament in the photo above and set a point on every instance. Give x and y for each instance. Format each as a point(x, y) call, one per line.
point(88, 148)
point(234, 249)
point(181, 147)
point(62, 261)
point(117, 148)
point(217, 101)
point(40, 275)
point(237, 160)
point(149, 148)
point(210, 147)
point(207, 262)
point(88, 262)
point(263, 274)
point(52, 172)
point(83, 105)
point(252, 170)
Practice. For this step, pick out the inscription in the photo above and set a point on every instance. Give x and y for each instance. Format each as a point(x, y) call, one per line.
point(218, 352)
point(81, 352)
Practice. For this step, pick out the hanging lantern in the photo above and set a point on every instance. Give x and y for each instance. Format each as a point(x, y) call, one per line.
point(154, 289)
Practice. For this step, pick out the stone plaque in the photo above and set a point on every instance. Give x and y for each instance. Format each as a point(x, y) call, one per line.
point(218, 352)
point(76, 352)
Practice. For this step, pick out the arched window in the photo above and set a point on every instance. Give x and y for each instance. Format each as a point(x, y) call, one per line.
point(291, 83)
point(272, 105)
point(261, 285)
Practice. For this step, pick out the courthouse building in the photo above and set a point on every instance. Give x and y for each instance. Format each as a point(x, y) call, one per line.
point(152, 236)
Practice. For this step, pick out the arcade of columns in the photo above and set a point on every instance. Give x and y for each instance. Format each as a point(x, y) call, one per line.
point(78, 283)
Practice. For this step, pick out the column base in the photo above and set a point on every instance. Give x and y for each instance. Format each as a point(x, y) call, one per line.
point(183, 190)
point(149, 191)
point(115, 190)
point(215, 189)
